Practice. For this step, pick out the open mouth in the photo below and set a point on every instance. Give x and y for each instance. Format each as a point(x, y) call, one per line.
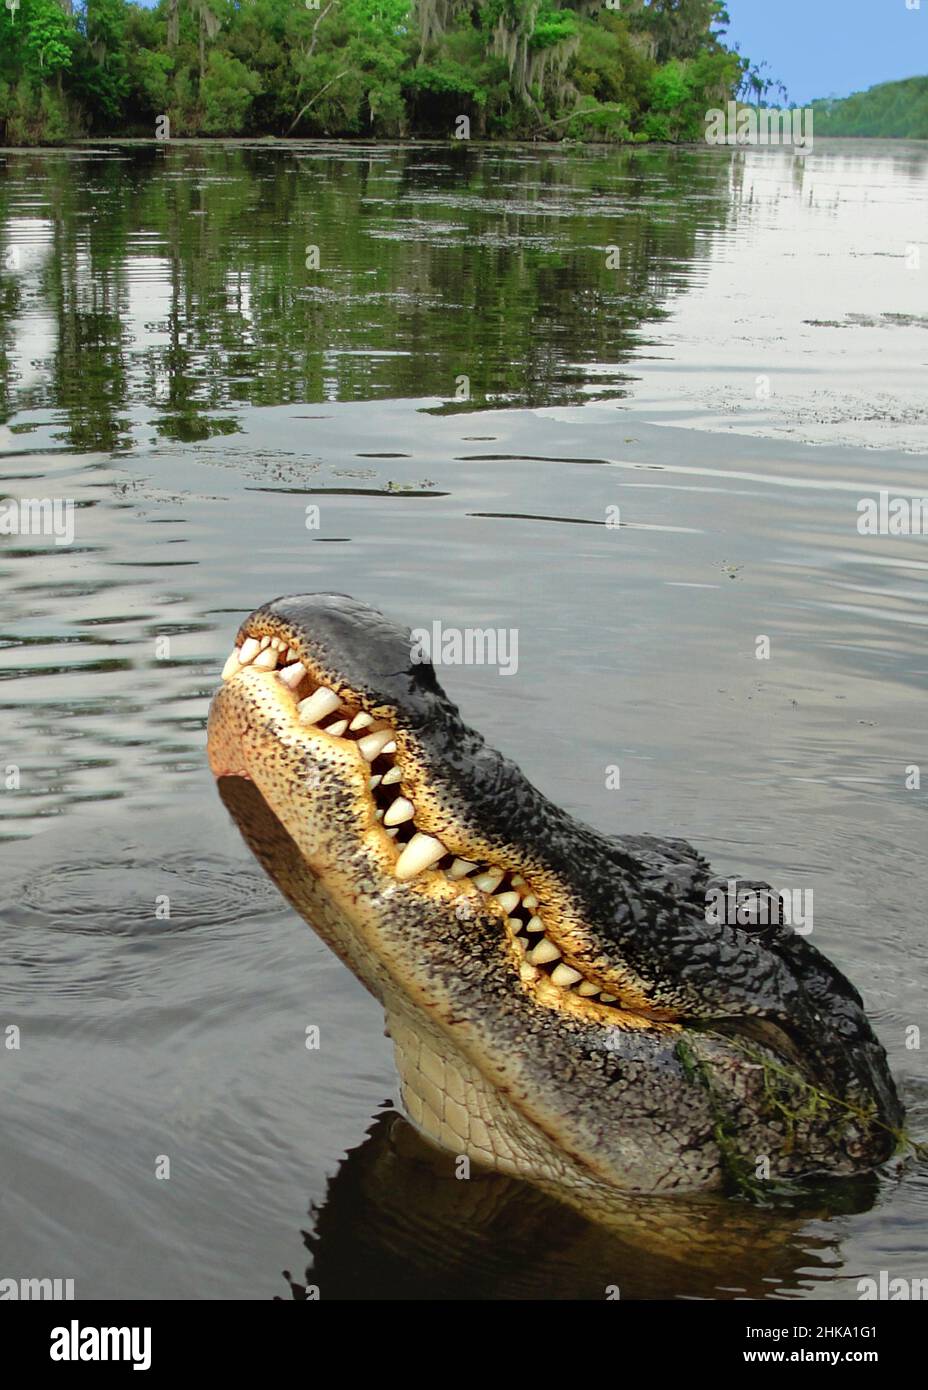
point(414, 853)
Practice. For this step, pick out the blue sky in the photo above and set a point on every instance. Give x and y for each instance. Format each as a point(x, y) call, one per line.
point(822, 48)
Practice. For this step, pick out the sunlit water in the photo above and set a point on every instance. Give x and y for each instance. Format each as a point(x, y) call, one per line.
point(495, 349)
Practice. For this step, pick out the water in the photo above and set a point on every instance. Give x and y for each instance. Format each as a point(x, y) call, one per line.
point(748, 370)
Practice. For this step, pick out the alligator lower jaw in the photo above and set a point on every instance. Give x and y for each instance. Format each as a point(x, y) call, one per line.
point(375, 758)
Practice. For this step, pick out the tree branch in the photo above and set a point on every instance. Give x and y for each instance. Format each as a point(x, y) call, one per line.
point(316, 26)
point(300, 114)
point(309, 52)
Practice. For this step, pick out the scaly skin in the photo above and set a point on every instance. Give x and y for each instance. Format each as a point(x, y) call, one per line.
point(707, 1048)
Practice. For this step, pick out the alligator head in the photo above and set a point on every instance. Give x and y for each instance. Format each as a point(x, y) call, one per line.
point(563, 1007)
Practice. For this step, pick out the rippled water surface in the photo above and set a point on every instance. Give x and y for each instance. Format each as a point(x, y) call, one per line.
point(494, 349)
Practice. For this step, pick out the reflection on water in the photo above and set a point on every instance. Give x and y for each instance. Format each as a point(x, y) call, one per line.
point(148, 288)
point(169, 363)
point(395, 1217)
point(186, 281)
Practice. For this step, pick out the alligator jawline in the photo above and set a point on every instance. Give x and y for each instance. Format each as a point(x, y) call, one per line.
point(539, 959)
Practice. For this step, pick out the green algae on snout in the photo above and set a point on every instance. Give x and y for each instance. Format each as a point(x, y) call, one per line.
point(786, 1098)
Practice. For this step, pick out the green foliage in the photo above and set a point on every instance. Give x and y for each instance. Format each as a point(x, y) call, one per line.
point(150, 74)
point(680, 29)
point(37, 43)
point(102, 77)
point(47, 41)
point(668, 89)
point(226, 94)
point(440, 92)
point(32, 114)
point(609, 65)
point(445, 76)
point(521, 68)
point(596, 122)
point(680, 93)
point(892, 109)
point(553, 27)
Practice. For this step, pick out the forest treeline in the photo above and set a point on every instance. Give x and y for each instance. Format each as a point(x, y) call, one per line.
point(896, 109)
point(548, 69)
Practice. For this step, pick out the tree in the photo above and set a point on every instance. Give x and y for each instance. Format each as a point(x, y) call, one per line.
point(49, 34)
point(515, 67)
point(680, 28)
point(102, 70)
point(37, 42)
point(227, 91)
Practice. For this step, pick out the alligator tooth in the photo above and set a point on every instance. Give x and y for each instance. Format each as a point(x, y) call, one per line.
point(292, 654)
point(373, 744)
point(378, 815)
point(564, 976)
point(508, 901)
point(544, 952)
point(322, 702)
point(520, 941)
point(460, 868)
point(394, 775)
point(276, 644)
point(608, 998)
point(375, 781)
point(266, 660)
point(535, 924)
point(527, 972)
point(400, 812)
point(361, 721)
point(394, 831)
point(232, 665)
point(489, 882)
point(588, 989)
point(530, 901)
point(517, 880)
point(338, 728)
point(389, 747)
point(292, 675)
point(421, 852)
point(265, 642)
point(250, 648)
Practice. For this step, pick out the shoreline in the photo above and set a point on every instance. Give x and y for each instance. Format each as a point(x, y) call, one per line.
point(432, 142)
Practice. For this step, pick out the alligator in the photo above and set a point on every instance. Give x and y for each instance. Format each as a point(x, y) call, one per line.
point(563, 1007)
